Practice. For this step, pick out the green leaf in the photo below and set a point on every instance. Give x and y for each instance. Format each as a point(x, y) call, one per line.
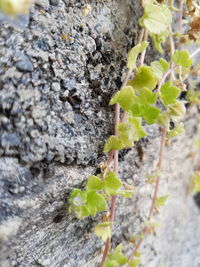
point(125, 97)
point(96, 203)
point(134, 263)
point(136, 110)
point(137, 130)
point(133, 54)
point(169, 93)
point(103, 230)
point(159, 67)
point(77, 197)
point(158, 39)
point(144, 78)
point(150, 114)
point(156, 18)
point(111, 263)
point(113, 142)
point(146, 96)
point(176, 131)
point(94, 183)
point(112, 183)
point(182, 58)
point(124, 134)
point(160, 201)
point(78, 201)
point(117, 256)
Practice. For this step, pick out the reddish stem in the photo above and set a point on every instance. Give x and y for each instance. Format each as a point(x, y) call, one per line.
point(113, 200)
point(159, 165)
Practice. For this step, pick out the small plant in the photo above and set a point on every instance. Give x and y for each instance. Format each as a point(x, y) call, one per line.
point(137, 99)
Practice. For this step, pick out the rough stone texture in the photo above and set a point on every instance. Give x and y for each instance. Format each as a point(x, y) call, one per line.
point(58, 70)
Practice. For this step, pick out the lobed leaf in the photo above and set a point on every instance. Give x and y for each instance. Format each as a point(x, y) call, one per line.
point(116, 258)
point(112, 183)
point(125, 97)
point(159, 67)
point(156, 19)
point(169, 93)
point(94, 183)
point(114, 143)
point(160, 201)
point(182, 58)
point(96, 203)
point(144, 78)
point(146, 96)
point(150, 114)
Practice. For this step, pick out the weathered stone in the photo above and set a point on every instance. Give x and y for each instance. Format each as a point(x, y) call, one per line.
point(54, 121)
point(24, 64)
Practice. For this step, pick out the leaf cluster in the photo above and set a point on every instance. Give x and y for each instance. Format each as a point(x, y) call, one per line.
point(94, 198)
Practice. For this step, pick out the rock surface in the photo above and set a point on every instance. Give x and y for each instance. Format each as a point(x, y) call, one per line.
point(58, 70)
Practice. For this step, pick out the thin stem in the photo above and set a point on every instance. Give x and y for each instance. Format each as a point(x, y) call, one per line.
point(172, 49)
point(144, 52)
point(165, 76)
point(180, 15)
point(113, 200)
point(155, 193)
point(159, 165)
point(195, 52)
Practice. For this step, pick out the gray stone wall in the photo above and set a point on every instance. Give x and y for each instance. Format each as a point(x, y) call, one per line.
point(58, 70)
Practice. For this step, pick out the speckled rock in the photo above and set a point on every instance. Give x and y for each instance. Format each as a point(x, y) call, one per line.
point(58, 70)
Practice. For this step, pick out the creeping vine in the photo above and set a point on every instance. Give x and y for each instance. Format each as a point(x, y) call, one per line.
point(143, 88)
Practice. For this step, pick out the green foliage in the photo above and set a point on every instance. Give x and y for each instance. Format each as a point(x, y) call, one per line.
point(158, 39)
point(146, 97)
point(144, 78)
point(113, 143)
point(182, 58)
point(169, 93)
point(116, 258)
point(156, 19)
point(96, 203)
point(128, 133)
point(159, 67)
point(160, 201)
point(125, 97)
point(133, 54)
point(138, 99)
point(112, 183)
point(94, 183)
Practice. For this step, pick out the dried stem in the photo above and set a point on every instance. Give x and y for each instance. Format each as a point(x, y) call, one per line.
point(180, 15)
